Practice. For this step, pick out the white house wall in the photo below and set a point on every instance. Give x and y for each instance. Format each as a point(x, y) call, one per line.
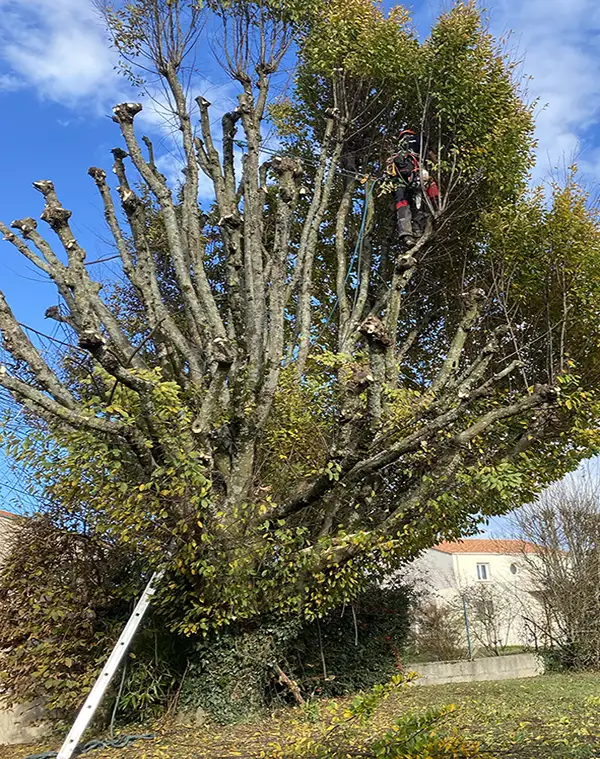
point(446, 576)
point(433, 572)
point(499, 564)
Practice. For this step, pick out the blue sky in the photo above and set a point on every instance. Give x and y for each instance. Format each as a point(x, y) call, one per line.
point(58, 84)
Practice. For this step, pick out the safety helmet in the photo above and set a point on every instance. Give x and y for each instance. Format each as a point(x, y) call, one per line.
point(405, 133)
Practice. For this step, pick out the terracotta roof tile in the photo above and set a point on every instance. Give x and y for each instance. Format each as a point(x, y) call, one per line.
point(7, 514)
point(486, 545)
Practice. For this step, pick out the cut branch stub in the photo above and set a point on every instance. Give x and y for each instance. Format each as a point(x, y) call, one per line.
point(119, 154)
point(230, 220)
point(547, 393)
point(474, 297)
point(284, 164)
point(55, 216)
point(26, 225)
point(374, 330)
point(405, 262)
point(45, 186)
point(222, 351)
point(54, 312)
point(119, 167)
point(91, 340)
point(126, 112)
point(98, 175)
point(128, 197)
point(54, 213)
point(360, 378)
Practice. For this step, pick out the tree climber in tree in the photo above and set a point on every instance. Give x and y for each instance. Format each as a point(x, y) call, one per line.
point(411, 180)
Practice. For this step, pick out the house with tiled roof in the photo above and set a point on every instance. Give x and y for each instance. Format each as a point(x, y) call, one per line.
point(476, 573)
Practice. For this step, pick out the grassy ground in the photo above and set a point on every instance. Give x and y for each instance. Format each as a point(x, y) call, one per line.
point(550, 717)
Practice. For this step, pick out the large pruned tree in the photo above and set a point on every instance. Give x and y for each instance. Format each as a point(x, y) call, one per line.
point(280, 396)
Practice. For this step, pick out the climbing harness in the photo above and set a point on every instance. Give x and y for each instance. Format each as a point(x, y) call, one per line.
point(408, 173)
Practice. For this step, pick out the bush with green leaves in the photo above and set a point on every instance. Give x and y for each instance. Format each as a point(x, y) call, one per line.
point(233, 675)
point(350, 732)
point(356, 646)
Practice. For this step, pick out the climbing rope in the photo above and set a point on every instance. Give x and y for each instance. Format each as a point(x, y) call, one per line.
point(355, 255)
point(121, 742)
point(359, 241)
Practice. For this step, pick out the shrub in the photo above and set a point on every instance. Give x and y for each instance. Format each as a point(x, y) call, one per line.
point(355, 647)
point(233, 676)
point(230, 675)
point(351, 732)
point(439, 632)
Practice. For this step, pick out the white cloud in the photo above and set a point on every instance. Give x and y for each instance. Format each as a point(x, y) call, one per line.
point(557, 39)
point(9, 83)
point(61, 50)
point(58, 47)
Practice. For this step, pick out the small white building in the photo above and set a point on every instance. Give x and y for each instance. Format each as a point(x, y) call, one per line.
point(488, 580)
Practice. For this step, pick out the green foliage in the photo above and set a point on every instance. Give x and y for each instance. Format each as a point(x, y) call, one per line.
point(484, 125)
point(351, 732)
point(230, 673)
point(57, 611)
point(355, 647)
point(155, 667)
point(548, 254)
point(298, 434)
point(358, 38)
point(64, 597)
point(458, 87)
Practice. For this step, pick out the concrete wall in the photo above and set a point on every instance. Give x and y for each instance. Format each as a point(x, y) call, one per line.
point(491, 668)
point(16, 724)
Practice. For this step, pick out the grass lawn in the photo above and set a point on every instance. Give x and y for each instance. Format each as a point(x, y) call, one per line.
point(549, 717)
point(554, 716)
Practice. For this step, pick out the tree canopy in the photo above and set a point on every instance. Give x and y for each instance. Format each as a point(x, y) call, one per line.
point(278, 399)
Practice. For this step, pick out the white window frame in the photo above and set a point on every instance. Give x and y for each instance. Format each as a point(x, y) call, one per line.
point(486, 571)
